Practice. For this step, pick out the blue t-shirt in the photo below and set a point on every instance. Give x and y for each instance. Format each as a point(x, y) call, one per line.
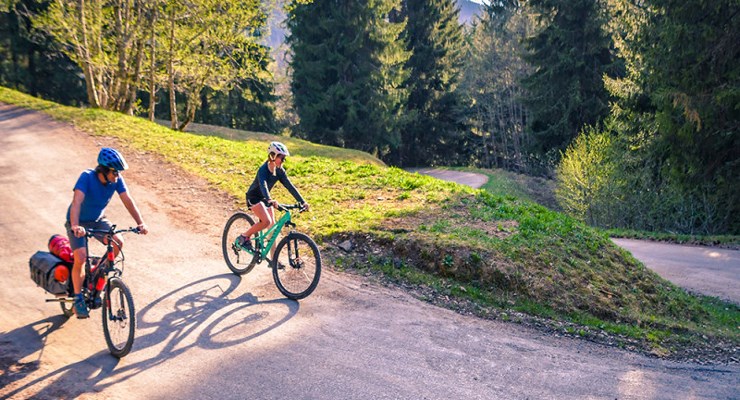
point(97, 195)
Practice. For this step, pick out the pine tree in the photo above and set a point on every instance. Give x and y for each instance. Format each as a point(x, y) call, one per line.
point(677, 108)
point(571, 54)
point(435, 39)
point(347, 68)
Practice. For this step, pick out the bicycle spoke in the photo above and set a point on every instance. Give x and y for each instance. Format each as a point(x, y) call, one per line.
point(303, 266)
point(118, 318)
point(237, 259)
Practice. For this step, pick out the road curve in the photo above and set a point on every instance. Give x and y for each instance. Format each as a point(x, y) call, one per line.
point(705, 270)
point(471, 179)
point(204, 333)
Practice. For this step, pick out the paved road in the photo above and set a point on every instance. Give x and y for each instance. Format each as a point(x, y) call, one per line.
point(466, 178)
point(706, 270)
point(204, 333)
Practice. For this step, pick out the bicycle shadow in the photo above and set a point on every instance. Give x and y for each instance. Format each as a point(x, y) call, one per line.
point(205, 300)
point(203, 316)
point(16, 346)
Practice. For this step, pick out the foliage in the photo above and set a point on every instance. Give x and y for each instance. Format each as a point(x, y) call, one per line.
point(27, 55)
point(125, 48)
point(516, 254)
point(676, 115)
point(584, 175)
point(434, 38)
point(491, 86)
point(570, 55)
point(348, 68)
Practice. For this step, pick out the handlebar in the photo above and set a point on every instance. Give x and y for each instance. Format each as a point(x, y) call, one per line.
point(112, 231)
point(285, 207)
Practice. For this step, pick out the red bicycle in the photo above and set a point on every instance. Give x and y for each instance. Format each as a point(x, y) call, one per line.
point(103, 278)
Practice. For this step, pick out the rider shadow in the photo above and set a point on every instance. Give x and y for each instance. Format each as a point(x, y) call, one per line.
point(203, 316)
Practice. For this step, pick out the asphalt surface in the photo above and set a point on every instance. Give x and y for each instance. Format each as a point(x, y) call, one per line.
point(203, 333)
point(704, 270)
point(471, 179)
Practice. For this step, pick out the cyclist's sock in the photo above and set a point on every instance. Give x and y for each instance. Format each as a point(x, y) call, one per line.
point(80, 307)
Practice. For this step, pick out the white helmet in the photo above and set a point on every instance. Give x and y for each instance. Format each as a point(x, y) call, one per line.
point(278, 148)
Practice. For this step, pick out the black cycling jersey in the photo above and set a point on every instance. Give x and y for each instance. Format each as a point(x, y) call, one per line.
point(265, 180)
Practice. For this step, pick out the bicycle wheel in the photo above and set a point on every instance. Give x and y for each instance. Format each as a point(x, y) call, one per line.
point(296, 266)
point(237, 259)
point(119, 318)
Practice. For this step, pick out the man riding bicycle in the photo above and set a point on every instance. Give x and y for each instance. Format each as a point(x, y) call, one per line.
point(92, 193)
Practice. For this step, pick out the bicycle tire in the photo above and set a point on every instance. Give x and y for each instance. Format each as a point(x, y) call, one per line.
point(301, 266)
point(119, 318)
point(67, 308)
point(238, 260)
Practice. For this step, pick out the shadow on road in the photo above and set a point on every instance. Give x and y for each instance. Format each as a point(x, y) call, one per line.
point(11, 366)
point(201, 316)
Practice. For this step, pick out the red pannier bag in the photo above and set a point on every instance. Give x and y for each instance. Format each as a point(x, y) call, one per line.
point(59, 246)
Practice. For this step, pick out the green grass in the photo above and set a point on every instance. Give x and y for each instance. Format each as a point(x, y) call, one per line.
point(496, 251)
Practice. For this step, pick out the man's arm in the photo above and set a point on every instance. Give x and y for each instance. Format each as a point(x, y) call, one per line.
point(130, 205)
point(74, 213)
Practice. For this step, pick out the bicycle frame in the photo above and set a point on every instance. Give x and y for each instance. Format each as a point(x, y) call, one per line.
point(107, 259)
point(272, 234)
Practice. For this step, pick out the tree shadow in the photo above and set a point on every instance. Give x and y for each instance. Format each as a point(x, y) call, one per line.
point(202, 317)
point(14, 112)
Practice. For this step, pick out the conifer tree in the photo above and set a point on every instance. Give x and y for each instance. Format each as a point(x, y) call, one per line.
point(347, 67)
point(677, 108)
point(570, 56)
point(435, 39)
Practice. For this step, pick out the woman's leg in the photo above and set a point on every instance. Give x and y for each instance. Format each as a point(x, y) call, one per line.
point(266, 218)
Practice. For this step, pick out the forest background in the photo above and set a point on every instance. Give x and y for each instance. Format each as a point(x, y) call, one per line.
point(633, 106)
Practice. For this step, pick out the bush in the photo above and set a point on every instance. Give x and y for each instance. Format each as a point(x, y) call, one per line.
point(610, 179)
point(585, 177)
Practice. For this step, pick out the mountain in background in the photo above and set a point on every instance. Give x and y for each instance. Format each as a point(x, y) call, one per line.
point(469, 10)
point(276, 39)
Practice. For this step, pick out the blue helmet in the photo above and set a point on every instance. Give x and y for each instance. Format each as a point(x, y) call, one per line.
point(112, 159)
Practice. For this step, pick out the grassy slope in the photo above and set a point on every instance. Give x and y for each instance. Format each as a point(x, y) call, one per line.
point(495, 251)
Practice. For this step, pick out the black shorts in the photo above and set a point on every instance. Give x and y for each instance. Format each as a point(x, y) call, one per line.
point(78, 242)
point(253, 201)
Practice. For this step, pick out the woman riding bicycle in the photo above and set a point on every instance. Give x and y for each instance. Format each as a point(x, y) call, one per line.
point(258, 195)
point(92, 193)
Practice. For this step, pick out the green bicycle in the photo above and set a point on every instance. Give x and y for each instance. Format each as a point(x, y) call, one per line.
point(296, 263)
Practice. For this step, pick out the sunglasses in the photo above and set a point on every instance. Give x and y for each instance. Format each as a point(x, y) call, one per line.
point(114, 172)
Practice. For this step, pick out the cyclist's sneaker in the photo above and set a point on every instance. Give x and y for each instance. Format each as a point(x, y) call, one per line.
point(245, 243)
point(81, 308)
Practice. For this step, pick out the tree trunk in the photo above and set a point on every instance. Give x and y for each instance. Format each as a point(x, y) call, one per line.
point(131, 100)
point(152, 83)
point(84, 52)
point(171, 73)
point(190, 107)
